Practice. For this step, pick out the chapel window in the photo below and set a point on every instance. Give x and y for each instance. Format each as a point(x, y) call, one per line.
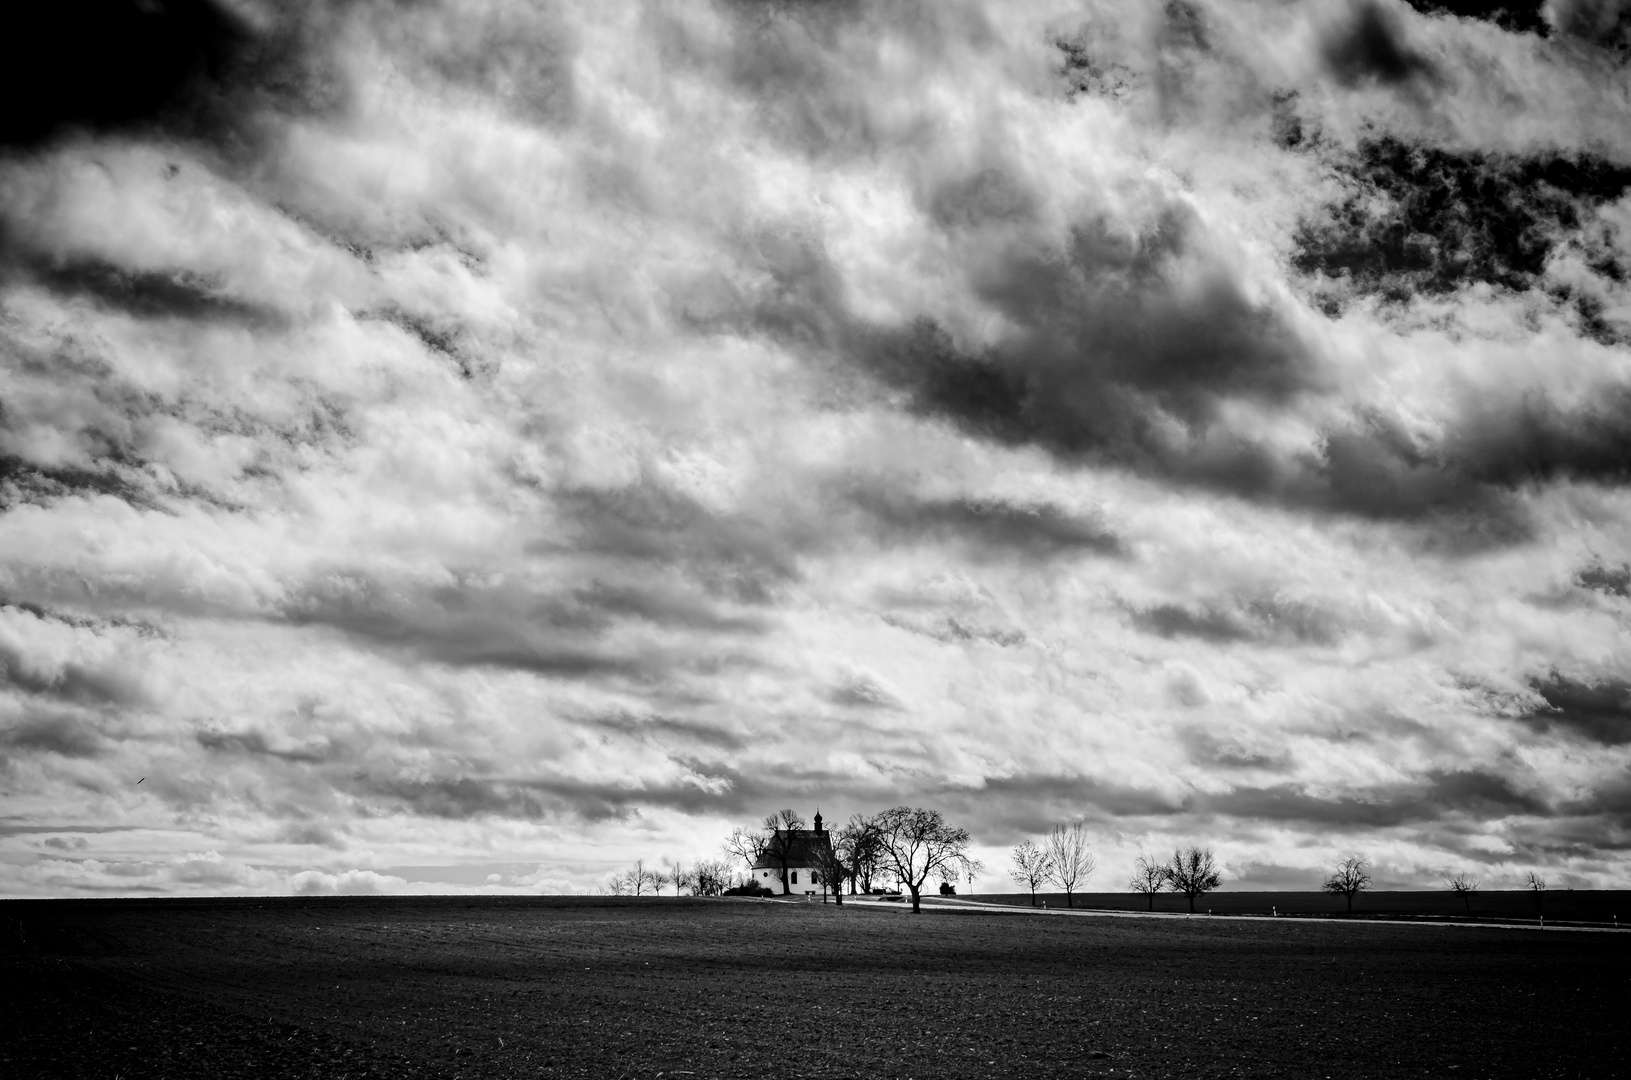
point(795, 877)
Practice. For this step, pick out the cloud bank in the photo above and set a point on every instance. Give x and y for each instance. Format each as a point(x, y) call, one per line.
point(463, 445)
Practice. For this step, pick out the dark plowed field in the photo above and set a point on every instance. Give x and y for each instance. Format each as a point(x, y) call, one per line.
point(354, 987)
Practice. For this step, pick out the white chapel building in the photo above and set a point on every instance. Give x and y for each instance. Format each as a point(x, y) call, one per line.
point(801, 850)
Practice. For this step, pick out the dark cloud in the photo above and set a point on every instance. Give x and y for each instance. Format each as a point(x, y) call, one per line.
point(1371, 47)
point(439, 336)
point(185, 66)
point(1128, 346)
point(476, 623)
point(1206, 623)
point(957, 629)
point(10, 827)
point(86, 684)
point(863, 692)
point(97, 683)
point(1610, 580)
point(731, 556)
point(1118, 412)
point(1608, 806)
point(258, 744)
point(147, 294)
point(1534, 441)
point(1517, 16)
point(991, 196)
point(68, 843)
point(23, 481)
point(314, 834)
point(1208, 749)
point(1419, 219)
point(1598, 712)
point(1183, 26)
point(1260, 619)
point(1606, 23)
point(67, 734)
point(1087, 67)
point(535, 797)
point(1436, 795)
point(1037, 530)
point(1115, 332)
point(1028, 803)
point(668, 730)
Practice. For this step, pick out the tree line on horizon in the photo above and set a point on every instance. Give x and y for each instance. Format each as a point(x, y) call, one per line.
point(911, 844)
point(1064, 860)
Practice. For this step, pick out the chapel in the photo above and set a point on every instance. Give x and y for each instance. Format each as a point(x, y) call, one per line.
point(803, 851)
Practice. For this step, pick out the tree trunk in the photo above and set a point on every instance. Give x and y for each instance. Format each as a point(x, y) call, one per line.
point(1350, 903)
point(1033, 896)
point(1191, 902)
point(1069, 900)
point(1152, 901)
point(916, 907)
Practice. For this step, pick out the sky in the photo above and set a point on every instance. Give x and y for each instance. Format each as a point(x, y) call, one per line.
point(470, 446)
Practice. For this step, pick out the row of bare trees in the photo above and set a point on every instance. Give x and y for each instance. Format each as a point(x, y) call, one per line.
point(1464, 885)
point(911, 845)
point(706, 877)
point(1352, 877)
point(1063, 859)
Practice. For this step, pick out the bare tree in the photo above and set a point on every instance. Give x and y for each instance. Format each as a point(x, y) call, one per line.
point(1031, 865)
point(915, 843)
point(1149, 877)
point(1462, 884)
point(747, 845)
point(858, 843)
point(684, 878)
point(1349, 880)
point(1069, 861)
point(1537, 885)
point(712, 877)
point(1193, 873)
point(831, 865)
point(638, 881)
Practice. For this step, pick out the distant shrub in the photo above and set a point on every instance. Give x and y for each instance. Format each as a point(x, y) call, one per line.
point(752, 888)
point(947, 889)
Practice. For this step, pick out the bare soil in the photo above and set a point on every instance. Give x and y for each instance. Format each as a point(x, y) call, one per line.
point(557, 987)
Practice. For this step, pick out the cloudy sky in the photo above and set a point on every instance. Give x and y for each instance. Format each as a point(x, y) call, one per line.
point(471, 445)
